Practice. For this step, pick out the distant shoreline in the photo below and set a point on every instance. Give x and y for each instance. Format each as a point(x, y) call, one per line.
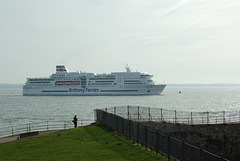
point(4, 85)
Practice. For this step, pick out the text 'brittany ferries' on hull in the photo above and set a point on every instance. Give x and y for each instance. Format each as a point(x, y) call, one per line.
point(66, 83)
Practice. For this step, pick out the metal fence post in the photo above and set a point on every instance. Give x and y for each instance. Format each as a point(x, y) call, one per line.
point(27, 127)
point(128, 111)
point(207, 117)
point(114, 110)
point(175, 116)
point(12, 130)
point(224, 121)
point(47, 125)
point(138, 113)
point(95, 115)
point(161, 115)
point(191, 119)
point(149, 115)
point(116, 123)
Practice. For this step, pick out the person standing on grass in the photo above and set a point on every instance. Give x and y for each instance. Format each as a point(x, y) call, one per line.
point(75, 119)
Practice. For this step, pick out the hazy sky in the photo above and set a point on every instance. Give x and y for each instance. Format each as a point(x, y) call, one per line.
point(178, 41)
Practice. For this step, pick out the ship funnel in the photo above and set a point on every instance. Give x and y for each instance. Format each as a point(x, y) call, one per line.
point(61, 69)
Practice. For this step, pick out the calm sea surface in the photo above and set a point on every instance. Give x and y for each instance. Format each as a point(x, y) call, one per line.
point(16, 109)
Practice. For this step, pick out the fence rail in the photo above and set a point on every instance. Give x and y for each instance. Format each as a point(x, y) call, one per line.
point(160, 142)
point(174, 116)
point(41, 126)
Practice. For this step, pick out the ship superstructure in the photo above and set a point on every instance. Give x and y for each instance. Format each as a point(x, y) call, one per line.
point(64, 82)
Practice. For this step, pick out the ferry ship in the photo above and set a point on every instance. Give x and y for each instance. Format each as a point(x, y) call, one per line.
point(65, 83)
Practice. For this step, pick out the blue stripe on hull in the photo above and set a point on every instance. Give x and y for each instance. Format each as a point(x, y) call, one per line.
point(53, 91)
point(119, 91)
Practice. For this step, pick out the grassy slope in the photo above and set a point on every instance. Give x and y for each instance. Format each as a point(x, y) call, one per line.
point(89, 143)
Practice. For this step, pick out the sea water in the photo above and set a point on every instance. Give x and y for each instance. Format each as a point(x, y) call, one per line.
point(17, 109)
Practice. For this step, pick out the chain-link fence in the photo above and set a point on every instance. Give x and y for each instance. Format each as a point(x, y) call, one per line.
point(163, 115)
point(160, 142)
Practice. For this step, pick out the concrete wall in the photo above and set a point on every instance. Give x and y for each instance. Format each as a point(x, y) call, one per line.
point(222, 138)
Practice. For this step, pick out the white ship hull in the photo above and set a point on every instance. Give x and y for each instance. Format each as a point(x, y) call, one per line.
point(79, 91)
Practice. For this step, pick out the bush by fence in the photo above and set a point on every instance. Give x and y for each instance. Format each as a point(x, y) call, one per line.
point(160, 142)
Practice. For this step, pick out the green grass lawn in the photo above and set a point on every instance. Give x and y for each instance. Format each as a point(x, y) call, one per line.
point(93, 142)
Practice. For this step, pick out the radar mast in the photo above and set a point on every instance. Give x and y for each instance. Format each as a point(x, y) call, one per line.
point(128, 69)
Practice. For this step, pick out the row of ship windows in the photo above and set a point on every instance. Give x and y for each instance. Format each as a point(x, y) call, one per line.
point(45, 80)
point(132, 81)
point(125, 82)
point(120, 81)
point(95, 86)
point(97, 83)
point(41, 80)
point(104, 81)
point(67, 79)
point(133, 78)
point(100, 78)
point(113, 78)
point(83, 82)
point(102, 84)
